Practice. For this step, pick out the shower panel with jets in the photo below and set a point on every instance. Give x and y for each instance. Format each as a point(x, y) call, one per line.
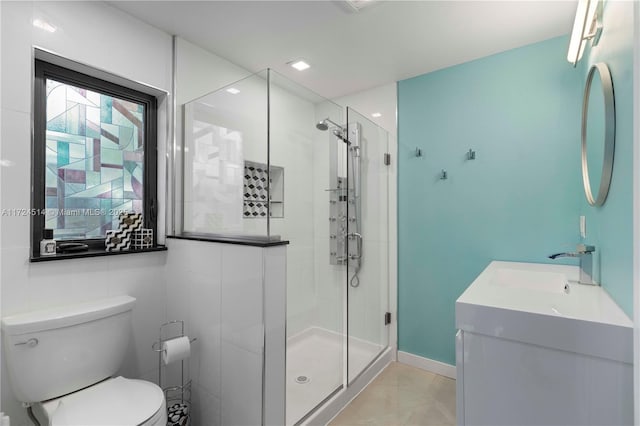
point(345, 239)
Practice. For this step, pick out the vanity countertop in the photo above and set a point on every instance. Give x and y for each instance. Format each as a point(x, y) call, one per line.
point(543, 304)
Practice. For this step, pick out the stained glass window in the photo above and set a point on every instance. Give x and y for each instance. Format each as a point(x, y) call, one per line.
point(94, 154)
point(94, 160)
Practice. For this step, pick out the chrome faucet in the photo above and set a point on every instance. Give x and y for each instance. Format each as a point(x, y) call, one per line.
point(584, 252)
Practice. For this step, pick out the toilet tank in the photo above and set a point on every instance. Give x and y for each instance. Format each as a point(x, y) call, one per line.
point(56, 351)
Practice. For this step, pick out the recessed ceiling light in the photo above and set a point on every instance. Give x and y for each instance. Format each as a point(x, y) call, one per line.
point(300, 65)
point(44, 25)
point(376, 115)
point(233, 90)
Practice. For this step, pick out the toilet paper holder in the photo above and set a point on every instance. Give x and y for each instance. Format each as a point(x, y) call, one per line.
point(178, 397)
point(157, 346)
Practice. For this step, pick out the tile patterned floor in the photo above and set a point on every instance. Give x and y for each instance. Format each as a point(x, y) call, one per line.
point(403, 395)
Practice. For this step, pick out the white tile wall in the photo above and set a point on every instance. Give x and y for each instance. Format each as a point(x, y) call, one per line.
point(275, 319)
point(241, 386)
point(100, 36)
point(206, 407)
point(193, 276)
point(242, 338)
point(16, 194)
point(241, 309)
point(218, 290)
point(16, 50)
point(141, 276)
point(104, 37)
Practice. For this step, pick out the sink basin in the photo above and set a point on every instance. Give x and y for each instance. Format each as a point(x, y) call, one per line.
point(545, 305)
point(534, 347)
point(543, 281)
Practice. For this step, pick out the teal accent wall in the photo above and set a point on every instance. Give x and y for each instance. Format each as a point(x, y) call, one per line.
point(519, 200)
point(610, 227)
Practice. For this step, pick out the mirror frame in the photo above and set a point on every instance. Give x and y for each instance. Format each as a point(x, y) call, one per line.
point(609, 134)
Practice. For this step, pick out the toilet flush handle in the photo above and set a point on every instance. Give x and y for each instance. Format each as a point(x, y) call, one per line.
point(31, 342)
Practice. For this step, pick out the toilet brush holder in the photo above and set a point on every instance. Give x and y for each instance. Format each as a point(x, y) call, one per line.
point(176, 347)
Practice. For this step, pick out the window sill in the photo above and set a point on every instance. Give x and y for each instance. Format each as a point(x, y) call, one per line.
point(93, 252)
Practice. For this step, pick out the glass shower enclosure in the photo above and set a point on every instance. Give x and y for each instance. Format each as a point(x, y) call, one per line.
point(266, 158)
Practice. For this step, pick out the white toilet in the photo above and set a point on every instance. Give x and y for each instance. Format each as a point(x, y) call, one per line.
point(62, 362)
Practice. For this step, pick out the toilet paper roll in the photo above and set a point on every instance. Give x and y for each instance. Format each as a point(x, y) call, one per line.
point(176, 349)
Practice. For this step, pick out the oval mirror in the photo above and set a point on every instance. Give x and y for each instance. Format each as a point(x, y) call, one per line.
point(598, 134)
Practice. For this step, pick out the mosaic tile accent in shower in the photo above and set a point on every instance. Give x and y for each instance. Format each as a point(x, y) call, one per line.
point(256, 181)
point(263, 191)
point(255, 209)
point(256, 190)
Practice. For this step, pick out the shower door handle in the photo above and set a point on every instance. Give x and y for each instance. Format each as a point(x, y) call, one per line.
point(358, 254)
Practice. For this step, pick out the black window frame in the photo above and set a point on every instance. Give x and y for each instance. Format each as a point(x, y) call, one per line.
point(45, 70)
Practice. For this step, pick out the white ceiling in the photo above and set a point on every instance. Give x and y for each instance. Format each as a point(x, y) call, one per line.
point(352, 51)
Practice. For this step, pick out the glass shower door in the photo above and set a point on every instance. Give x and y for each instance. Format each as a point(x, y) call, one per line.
point(304, 145)
point(367, 240)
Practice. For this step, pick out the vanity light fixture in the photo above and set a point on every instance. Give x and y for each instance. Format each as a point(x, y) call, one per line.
point(376, 115)
point(233, 90)
point(44, 25)
point(587, 26)
point(300, 65)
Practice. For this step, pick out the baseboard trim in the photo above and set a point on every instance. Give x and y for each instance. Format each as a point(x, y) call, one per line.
point(427, 364)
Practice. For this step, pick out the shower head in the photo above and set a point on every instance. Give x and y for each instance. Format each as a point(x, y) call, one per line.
point(339, 132)
point(324, 124)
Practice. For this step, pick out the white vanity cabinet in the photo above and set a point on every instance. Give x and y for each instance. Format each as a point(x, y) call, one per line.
point(533, 348)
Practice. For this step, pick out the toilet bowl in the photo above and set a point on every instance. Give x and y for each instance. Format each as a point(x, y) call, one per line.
point(62, 362)
point(116, 401)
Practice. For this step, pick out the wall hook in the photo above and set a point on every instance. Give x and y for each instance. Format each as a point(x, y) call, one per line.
point(471, 155)
point(443, 174)
point(418, 152)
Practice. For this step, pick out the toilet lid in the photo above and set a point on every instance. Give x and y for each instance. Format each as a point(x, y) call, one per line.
point(117, 401)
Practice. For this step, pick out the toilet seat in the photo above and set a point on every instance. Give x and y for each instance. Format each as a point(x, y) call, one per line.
point(113, 402)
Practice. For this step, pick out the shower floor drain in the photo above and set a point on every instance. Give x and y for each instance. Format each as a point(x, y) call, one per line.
point(302, 380)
